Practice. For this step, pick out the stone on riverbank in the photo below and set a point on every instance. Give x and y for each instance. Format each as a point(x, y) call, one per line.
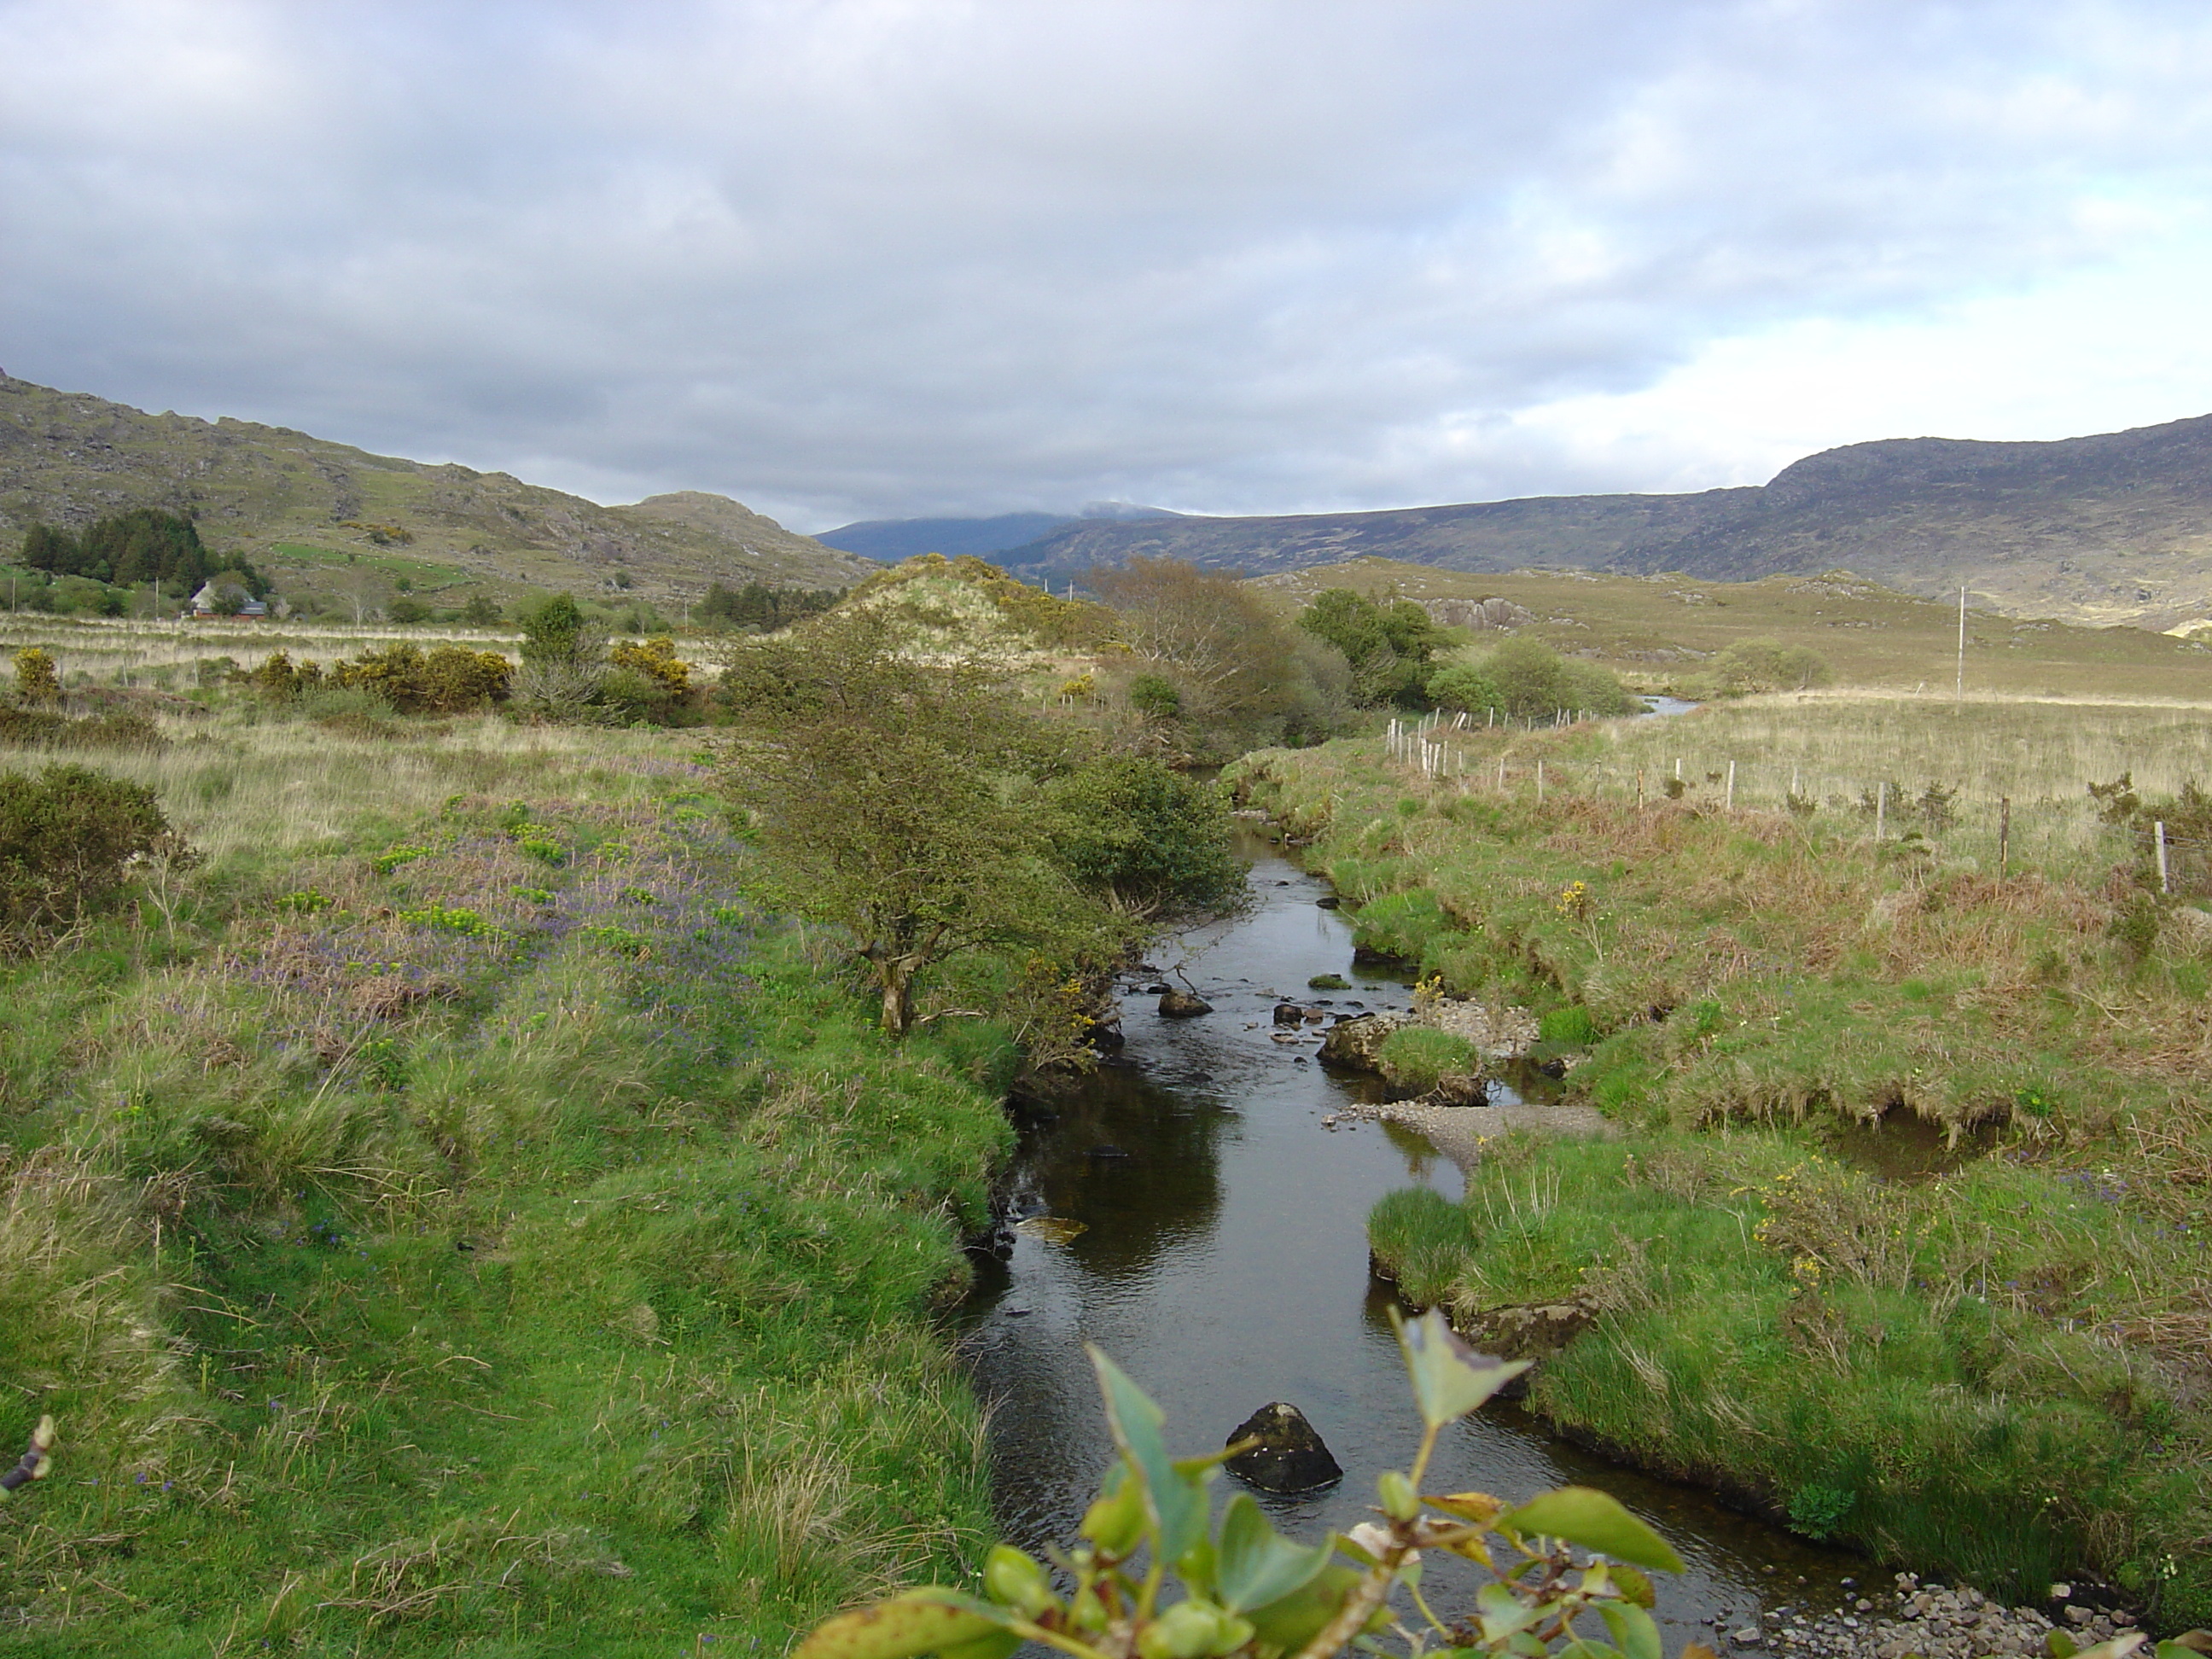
point(1183, 1005)
point(1290, 1455)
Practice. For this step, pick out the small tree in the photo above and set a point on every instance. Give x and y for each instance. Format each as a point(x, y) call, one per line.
point(563, 658)
point(1388, 644)
point(896, 799)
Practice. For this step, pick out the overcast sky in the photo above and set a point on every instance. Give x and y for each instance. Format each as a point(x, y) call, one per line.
point(859, 258)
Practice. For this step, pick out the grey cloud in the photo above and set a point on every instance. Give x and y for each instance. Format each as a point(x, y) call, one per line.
point(851, 259)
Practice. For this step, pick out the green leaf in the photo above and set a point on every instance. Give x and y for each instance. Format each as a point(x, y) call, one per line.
point(1254, 1565)
point(997, 1645)
point(1450, 1378)
point(1175, 1503)
point(906, 1626)
point(1502, 1612)
point(2059, 1646)
point(1290, 1622)
point(1631, 1630)
point(1595, 1520)
point(1632, 1586)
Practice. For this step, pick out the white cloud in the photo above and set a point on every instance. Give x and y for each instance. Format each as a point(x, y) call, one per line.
point(863, 258)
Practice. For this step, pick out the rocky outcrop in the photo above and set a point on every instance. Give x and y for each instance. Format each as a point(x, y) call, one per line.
point(1290, 1455)
point(1183, 1005)
point(1533, 1331)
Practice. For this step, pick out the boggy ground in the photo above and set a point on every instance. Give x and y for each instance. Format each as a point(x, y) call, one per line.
point(454, 1218)
point(1997, 1370)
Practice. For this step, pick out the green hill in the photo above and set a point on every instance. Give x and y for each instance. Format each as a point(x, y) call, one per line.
point(301, 507)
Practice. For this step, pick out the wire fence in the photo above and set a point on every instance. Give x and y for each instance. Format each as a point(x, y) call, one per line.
point(1997, 829)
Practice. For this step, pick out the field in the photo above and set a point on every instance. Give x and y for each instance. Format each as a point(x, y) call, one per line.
point(453, 1216)
point(1657, 630)
point(1900, 1240)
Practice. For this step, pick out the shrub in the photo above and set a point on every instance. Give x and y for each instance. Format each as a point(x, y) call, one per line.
point(449, 680)
point(1752, 665)
point(281, 680)
point(1461, 685)
point(656, 659)
point(67, 839)
point(35, 679)
point(1154, 697)
point(1534, 681)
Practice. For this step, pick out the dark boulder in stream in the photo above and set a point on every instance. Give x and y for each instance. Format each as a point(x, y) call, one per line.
point(1290, 1457)
point(1183, 1005)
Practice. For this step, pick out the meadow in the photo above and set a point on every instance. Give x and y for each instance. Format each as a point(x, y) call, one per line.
point(448, 1213)
point(1900, 1239)
point(1656, 631)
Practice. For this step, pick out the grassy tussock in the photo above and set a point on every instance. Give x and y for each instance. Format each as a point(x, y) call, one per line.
point(2001, 1369)
point(455, 1216)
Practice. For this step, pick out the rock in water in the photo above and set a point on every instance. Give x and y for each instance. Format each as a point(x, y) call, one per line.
point(1289, 1013)
point(1355, 1044)
point(1183, 1005)
point(1290, 1457)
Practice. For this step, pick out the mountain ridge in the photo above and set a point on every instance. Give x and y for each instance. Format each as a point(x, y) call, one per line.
point(2112, 528)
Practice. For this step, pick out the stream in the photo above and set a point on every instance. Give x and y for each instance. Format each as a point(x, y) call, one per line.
point(1222, 1262)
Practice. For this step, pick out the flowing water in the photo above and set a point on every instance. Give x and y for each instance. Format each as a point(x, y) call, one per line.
point(1222, 1262)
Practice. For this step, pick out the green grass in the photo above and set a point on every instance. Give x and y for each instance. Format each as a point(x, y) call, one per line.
point(1839, 1349)
point(1658, 630)
point(557, 1283)
point(1997, 1364)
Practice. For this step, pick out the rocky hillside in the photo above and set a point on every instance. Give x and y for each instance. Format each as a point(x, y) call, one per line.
point(282, 497)
point(2113, 529)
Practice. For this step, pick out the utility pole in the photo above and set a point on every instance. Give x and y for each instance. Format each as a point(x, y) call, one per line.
point(1958, 693)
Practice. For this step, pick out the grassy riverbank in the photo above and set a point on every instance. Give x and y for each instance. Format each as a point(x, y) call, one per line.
point(1996, 1368)
point(455, 1218)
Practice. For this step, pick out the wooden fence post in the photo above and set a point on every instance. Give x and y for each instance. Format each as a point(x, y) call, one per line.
point(2158, 830)
point(1881, 808)
point(1539, 783)
point(1728, 804)
point(2004, 833)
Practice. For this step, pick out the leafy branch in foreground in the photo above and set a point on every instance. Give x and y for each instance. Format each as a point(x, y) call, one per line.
point(1152, 1578)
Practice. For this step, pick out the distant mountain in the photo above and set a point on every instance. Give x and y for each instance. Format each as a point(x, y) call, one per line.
point(2111, 528)
point(894, 539)
point(68, 457)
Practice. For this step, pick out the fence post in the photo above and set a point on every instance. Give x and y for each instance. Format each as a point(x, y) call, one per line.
point(1728, 804)
point(1881, 808)
point(1501, 775)
point(1639, 789)
point(2158, 829)
point(1539, 785)
point(2004, 833)
point(1678, 769)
